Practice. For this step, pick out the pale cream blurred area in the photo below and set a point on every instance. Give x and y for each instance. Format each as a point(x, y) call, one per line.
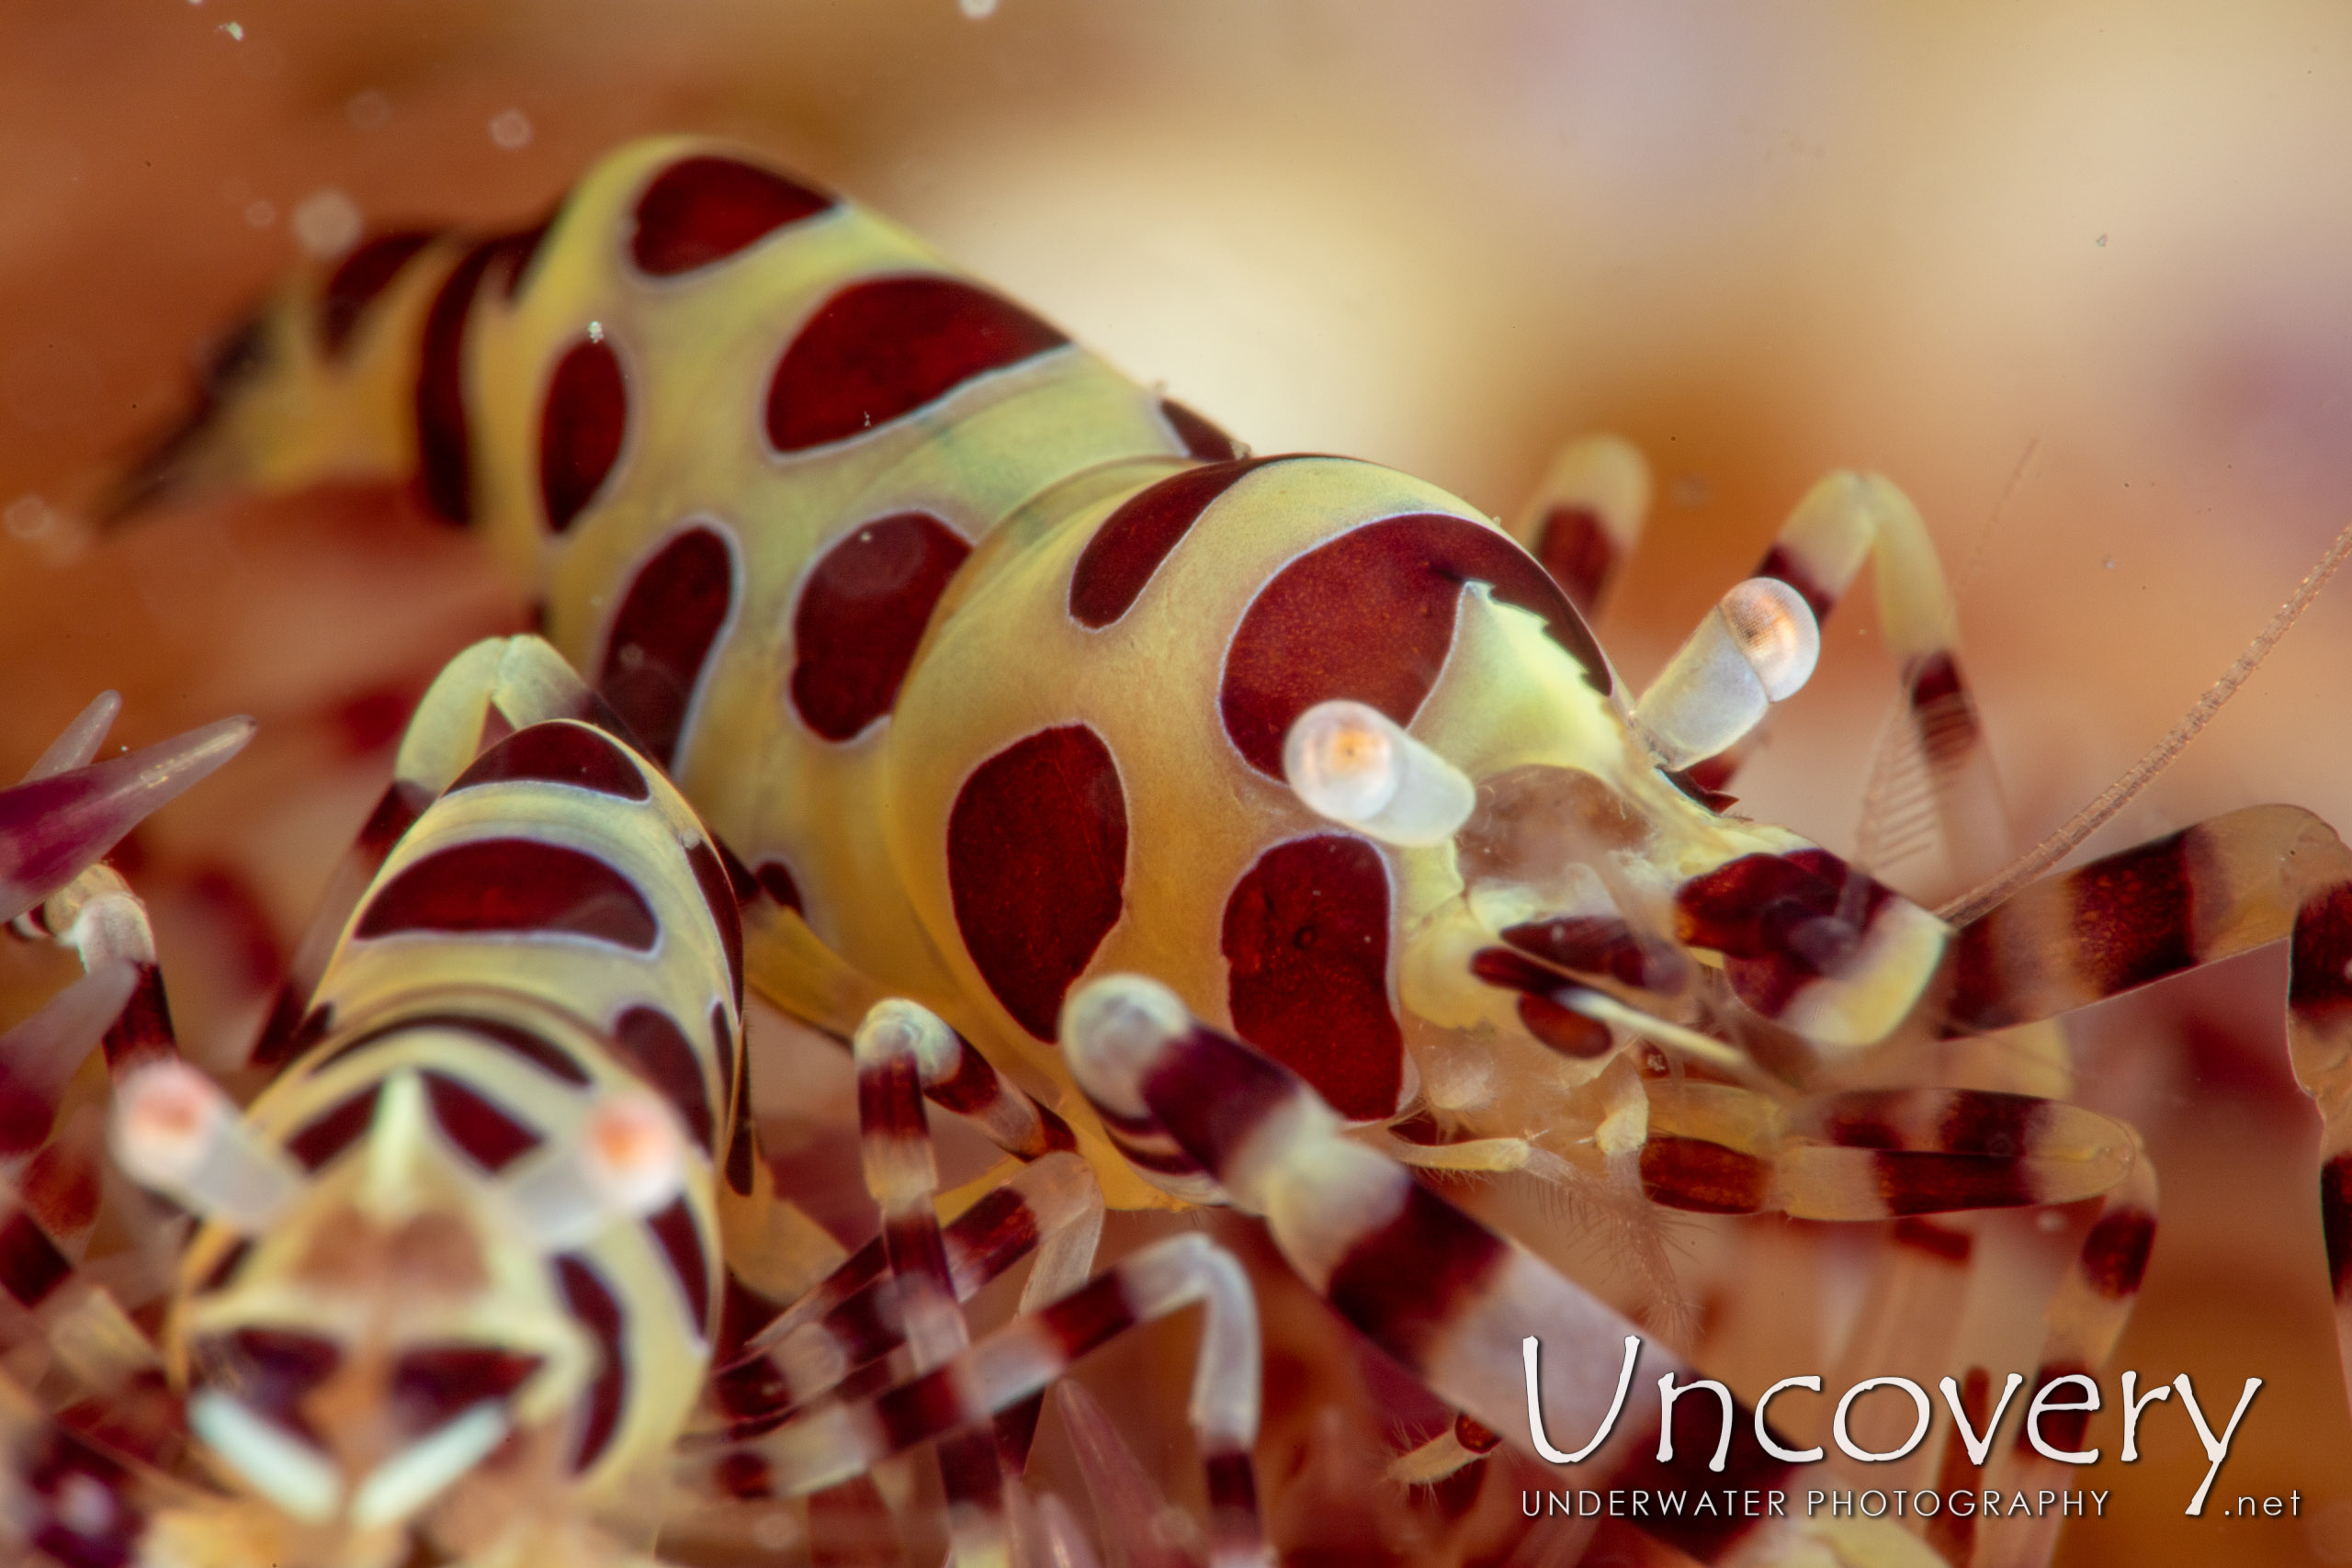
point(2077, 276)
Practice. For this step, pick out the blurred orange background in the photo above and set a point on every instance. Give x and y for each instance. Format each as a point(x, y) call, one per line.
point(2074, 275)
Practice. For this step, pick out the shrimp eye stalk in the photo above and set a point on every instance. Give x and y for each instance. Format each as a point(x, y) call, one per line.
point(1756, 648)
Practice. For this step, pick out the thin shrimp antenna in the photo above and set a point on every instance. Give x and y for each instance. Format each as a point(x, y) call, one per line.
point(2119, 795)
point(1975, 566)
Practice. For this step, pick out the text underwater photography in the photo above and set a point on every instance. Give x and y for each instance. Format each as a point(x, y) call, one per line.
point(1820, 1219)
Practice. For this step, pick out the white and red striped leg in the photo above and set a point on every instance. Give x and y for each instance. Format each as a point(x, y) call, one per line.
point(64, 1499)
point(898, 1049)
point(1935, 779)
point(2095, 1299)
point(1433, 1287)
point(1018, 1362)
point(850, 1320)
point(1585, 516)
point(2227, 884)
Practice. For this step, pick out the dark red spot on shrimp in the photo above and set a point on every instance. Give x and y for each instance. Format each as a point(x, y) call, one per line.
point(882, 348)
point(1980, 1121)
point(1941, 1242)
point(775, 880)
point(599, 1312)
point(1036, 862)
point(1940, 707)
point(1783, 920)
point(1131, 542)
point(433, 1386)
point(560, 753)
point(1779, 563)
point(722, 1045)
point(1914, 1182)
point(2115, 1254)
point(1405, 1284)
point(680, 1239)
point(1703, 1177)
point(270, 1371)
point(1563, 1029)
point(1597, 945)
point(1579, 553)
point(703, 210)
point(142, 1031)
point(743, 1152)
point(663, 635)
point(1542, 1004)
point(1201, 437)
point(659, 1052)
point(2335, 1222)
point(533, 1047)
point(515, 886)
point(1369, 616)
point(1305, 946)
point(25, 1112)
point(443, 447)
point(861, 614)
point(2319, 986)
point(492, 1138)
point(726, 915)
point(581, 426)
point(362, 274)
point(31, 1267)
point(2133, 915)
point(332, 1131)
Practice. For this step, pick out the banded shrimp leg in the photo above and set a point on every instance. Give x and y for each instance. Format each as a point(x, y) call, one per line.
point(1449, 1299)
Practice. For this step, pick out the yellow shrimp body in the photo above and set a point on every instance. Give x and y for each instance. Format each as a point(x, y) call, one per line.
point(554, 933)
point(980, 655)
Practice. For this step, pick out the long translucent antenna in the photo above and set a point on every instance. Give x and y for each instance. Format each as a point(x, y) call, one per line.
point(2119, 795)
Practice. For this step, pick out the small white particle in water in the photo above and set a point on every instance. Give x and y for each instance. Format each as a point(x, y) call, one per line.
point(234, 29)
point(326, 223)
point(369, 111)
point(975, 9)
point(260, 214)
point(510, 128)
point(2102, 242)
point(27, 517)
point(595, 331)
point(2109, 563)
point(2050, 1221)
